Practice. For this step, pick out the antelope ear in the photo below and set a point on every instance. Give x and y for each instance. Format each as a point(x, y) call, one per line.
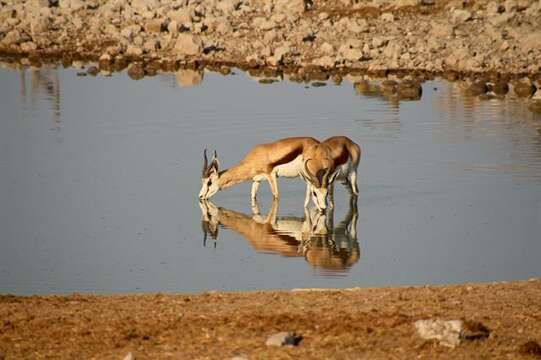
point(214, 163)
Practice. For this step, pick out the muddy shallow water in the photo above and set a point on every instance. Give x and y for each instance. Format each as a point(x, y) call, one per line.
point(99, 179)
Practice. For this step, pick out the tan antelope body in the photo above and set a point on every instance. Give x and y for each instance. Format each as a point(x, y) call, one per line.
point(290, 157)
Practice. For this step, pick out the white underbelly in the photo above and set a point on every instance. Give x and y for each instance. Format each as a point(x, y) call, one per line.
point(290, 169)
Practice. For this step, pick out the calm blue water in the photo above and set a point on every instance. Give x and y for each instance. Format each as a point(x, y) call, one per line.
point(99, 180)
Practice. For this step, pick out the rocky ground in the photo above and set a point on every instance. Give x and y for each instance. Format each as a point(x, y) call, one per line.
point(496, 321)
point(428, 35)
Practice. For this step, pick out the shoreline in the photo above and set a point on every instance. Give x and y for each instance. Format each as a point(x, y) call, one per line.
point(333, 323)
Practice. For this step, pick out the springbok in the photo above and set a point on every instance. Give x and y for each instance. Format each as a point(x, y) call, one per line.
point(290, 157)
point(345, 155)
point(315, 237)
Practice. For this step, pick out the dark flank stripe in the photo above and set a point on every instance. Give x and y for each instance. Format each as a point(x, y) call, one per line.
point(289, 157)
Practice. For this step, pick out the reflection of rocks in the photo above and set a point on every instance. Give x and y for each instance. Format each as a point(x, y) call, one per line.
point(42, 81)
point(499, 88)
point(389, 89)
point(477, 88)
point(265, 76)
point(409, 90)
point(389, 86)
point(189, 77)
point(524, 88)
point(315, 237)
point(136, 71)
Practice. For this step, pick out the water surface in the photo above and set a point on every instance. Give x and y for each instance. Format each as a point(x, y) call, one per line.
point(99, 179)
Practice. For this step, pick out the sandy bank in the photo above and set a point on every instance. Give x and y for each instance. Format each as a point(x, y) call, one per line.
point(357, 323)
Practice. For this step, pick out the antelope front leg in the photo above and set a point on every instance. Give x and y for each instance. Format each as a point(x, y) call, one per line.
point(273, 212)
point(352, 179)
point(331, 195)
point(307, 195)
point(253, 193)
point(273, 185)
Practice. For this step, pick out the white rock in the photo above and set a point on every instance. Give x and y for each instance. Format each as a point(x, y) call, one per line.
point(188, 45)
point(278, 55)
point(325, 61)
point(28, 46)
point(403, 3)
point(501, 19)
point(283, 338)
point(227, 6)
point(379, 42)
point(181, 16)
point(105, 57)
point(441, 29)
point(144, 5)
point(151, 45)
point(224, 27)
point(263, 24)
point(352, 54)
point(493, 8)
point(13, 37)
point(359, 26)
point(387, 17)
point(446, 332)
point(39, 26)
point(459, 16)
point(326, 49)
point(133, 50)
point(71, 5)
point(531, 41)
point(172, 27)
point(38, 3)
point(289, 6)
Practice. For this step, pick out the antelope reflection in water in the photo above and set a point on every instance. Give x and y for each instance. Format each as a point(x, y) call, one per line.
point(314, 236)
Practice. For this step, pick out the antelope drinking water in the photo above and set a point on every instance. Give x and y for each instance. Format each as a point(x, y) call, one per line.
point(290, 157)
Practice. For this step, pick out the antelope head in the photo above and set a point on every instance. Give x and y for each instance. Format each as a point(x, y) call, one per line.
point(316, 171)
point(209, 177)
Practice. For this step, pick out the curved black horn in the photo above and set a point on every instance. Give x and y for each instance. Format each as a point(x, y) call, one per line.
point(205, 161)
point(307, 172)
point(326, 176)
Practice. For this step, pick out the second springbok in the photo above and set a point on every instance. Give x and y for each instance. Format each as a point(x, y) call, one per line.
point(345, 155)
point(290, 157)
